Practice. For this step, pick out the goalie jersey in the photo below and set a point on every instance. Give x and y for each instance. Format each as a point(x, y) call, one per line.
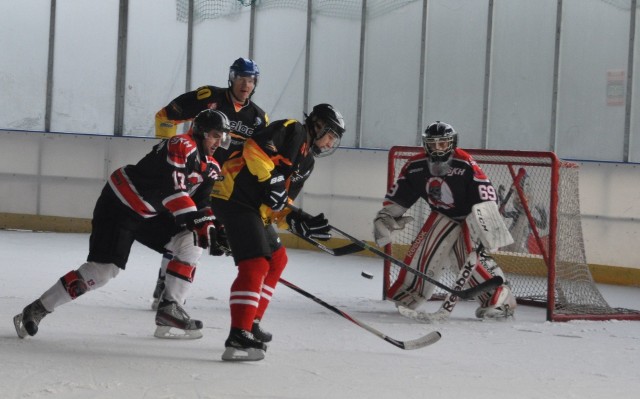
point(453, 195)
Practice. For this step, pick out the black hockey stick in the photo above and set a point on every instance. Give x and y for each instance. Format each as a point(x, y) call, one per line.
point(340, 251)
point(417, 343)
point(469, 293)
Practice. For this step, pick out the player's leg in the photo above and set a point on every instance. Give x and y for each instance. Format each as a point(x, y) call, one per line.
point(109, 247)
point(251, 251)
point(499, 303)
point(156, 233)
point(180, 273)
point(277, 264)
point(429, 254)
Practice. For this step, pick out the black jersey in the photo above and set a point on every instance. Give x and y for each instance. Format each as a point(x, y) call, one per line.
point(244, 121)
point(452, 195)
point(171, 178)
point(280, 148)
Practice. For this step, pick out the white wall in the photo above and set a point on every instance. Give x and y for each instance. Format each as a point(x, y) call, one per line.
point(62, 175)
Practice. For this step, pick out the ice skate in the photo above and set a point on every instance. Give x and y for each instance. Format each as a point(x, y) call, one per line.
point(26, 323)
point(259, 333)
point(501, 305)
point(243, 346)
point(157, 293)
point(171, 317)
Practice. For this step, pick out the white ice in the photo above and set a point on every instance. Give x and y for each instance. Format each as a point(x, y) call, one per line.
point(102, 344)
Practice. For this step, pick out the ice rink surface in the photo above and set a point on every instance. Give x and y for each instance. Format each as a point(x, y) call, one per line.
point(102, 344)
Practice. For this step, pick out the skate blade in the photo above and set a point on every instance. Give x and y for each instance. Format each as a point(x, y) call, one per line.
point(168, 332)
point(20, 330)
point(242, 355)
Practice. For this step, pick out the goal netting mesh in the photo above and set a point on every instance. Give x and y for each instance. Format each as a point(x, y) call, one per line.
point(348, 9)
point(540, 202)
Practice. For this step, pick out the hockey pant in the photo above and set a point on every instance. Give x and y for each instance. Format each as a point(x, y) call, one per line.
point(442, 243)
point(253, 288)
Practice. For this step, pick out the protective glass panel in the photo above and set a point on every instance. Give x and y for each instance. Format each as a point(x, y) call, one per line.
point(454, 71)
point(591, 91)
point(155, 74)
point(521, 90)
point(24, 43)
point(84, 70)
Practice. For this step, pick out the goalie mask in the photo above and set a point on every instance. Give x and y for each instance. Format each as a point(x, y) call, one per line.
point(439, 141)
point(325, 124)
point(208, 122)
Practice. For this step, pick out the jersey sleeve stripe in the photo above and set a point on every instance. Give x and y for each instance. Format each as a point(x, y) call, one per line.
point(127, 193)
point(179, 203)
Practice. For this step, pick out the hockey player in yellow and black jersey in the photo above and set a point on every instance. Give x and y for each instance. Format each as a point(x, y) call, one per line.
point(235, 101)
point(255, 188)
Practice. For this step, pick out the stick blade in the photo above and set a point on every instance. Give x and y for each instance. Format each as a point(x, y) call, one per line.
point(429, 339)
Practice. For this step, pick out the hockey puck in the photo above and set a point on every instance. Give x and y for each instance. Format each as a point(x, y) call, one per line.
point(366, 275)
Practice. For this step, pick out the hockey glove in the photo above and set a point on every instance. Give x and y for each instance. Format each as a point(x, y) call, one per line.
point(277, 195)
point(316, 227)
point(201, 224)
point(387, 220)
point(219, 245)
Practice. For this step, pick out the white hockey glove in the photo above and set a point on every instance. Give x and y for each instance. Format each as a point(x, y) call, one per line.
point(387, 220)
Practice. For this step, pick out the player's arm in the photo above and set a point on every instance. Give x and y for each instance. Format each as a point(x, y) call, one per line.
point(181, 109)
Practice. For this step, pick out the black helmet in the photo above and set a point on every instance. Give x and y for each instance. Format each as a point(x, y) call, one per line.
point(211, 119)
point(439, 156)
point(334, 122)
point(244, 67)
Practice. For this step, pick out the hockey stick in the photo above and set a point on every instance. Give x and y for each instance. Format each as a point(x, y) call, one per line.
point(464, 294)
point(340, 251)
point(430, 338)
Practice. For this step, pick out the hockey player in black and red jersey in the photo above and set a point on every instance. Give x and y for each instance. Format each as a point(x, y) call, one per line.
point(254, 191)
point(453, 185)
point(235, 102)
point(167, 181)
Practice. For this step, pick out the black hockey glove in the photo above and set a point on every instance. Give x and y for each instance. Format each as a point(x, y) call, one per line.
point(201, 224)
point(316, 227)
point(220, 245)
point(277, 195)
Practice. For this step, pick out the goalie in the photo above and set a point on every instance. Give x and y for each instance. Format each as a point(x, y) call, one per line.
point(462, 201)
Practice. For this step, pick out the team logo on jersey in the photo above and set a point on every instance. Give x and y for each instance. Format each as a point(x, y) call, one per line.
point(239, 127)
point(439, 193)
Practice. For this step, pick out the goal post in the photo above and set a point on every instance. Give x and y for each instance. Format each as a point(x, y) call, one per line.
point(538, 197)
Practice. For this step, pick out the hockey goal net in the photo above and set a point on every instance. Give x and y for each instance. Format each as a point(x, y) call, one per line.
point(539, 200)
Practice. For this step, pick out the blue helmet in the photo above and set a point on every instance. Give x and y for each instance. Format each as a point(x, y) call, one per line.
point(243, 67)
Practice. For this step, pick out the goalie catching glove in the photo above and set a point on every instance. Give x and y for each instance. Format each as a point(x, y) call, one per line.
point(387, 220)
point(315, 227)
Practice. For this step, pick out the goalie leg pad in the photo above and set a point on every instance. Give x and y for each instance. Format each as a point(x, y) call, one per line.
point(430, 254)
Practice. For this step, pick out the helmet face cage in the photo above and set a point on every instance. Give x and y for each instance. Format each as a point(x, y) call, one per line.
point(243, 67)
point(439, 141)
point(333, 125)
point(211, 119)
